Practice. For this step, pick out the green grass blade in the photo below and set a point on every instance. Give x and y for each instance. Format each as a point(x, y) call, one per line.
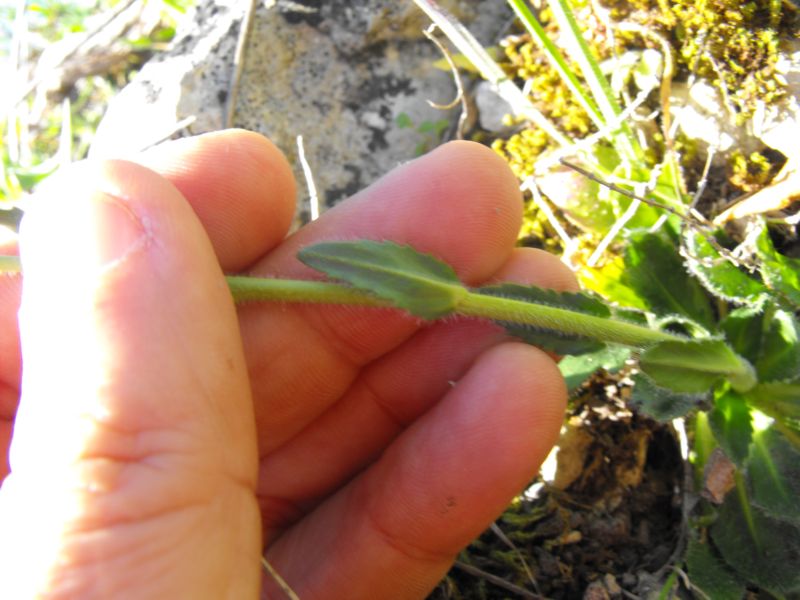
point(558, 62)
point(623, 138)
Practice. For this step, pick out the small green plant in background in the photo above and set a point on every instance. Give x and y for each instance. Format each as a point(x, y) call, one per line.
point(41, 130)
point(735, 374)
point(430, 132)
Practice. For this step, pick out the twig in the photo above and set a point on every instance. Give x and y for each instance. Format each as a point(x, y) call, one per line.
point(183, 123)
point(530, 185)
point(590, 140)
point(290, 593)
point(613, 232)
point(693, 219)
point(238, 63)
point(313, 198)
point(460, 96)
point(623, 191)
point(666, 74)
point(505, 539)
point(498, 581)
point(701, 185)
point(489, 69)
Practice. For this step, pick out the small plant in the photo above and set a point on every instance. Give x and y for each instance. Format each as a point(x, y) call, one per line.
point(734, 305)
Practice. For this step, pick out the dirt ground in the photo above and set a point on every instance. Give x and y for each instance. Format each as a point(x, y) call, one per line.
point(608, 526)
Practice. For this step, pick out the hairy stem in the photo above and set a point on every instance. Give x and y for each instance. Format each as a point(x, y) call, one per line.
point(559, 319)
point(255, 289)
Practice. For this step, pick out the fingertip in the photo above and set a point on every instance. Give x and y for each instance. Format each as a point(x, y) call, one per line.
point(481, 192)
point(532, 266)
point(543, 391)
point(459, 202)
point(239, 184)
point(456, 469)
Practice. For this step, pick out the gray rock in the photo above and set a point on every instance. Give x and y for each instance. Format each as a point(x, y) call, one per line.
point(354, 79)
point(778, 126)
point(700, 111)
point(492, 108)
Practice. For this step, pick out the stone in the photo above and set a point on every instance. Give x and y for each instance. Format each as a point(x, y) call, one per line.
point(492, 109)
point(778, 125)
point(700, 111)
point(354, 79)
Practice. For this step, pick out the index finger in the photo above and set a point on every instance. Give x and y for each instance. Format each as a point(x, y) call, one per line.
point(460, 203)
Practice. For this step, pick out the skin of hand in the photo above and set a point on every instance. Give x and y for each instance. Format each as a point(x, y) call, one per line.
point(163, 439)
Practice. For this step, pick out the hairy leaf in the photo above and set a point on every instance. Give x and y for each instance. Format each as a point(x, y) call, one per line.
point(773, 472)
point(743, 329)
point(660, 403)
point(732, 424)
point(577, 369)
point(709, 573)
point(694, 366)
point(778, 399)
point(780, 272)
point(779, 358)
point(655, 270)
point(416, 282)
point(764, 550)
point(552, 340)
point(720, 277)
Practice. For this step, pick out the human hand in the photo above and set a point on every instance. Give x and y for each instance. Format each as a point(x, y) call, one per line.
point(160, 444)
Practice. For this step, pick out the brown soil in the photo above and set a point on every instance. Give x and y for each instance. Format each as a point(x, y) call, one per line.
point(608, 525)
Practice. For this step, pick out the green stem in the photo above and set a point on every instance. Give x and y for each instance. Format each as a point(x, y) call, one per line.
point(559, 319)
point(254, 289)
point(557, 61)
point(747, 510)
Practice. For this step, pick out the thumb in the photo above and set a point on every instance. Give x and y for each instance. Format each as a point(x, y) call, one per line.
point(133, 461)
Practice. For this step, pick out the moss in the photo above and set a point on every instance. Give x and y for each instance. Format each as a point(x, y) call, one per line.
point(526, 62)
point(750, 172)
point(522, 150)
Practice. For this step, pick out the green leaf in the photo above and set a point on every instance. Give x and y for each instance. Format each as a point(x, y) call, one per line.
point(577, 369)
point(711, 575)
point(416, 282)
point(694, 366)
point(403, 121)
point(11, 218)
point(29, 177)
point(779, 358)
point(719, 276)
point(655, 270)
point(660, 403)
point(773, 473)
point(743, 328)
point(778, 399)
point(764, 550)
point(555, 341)
point(732, 424)
point(780, 272)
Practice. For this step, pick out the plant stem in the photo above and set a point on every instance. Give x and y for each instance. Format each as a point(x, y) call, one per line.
point(256, 289)
point(559, 319)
